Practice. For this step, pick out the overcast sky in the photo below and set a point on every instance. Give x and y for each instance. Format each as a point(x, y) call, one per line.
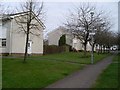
point(57, 11)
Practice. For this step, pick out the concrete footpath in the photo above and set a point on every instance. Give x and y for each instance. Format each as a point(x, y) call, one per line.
point(83, 78)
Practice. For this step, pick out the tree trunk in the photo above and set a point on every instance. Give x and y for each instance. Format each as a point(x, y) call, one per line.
point(108, 49)
point(93, 47)
point(100, 48)
point(26, 48)
point(103, 49)
point(85, 50)
point(28, 30)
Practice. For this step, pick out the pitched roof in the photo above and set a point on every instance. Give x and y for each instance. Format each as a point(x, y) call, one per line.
point(10, 16)
point(60, 28)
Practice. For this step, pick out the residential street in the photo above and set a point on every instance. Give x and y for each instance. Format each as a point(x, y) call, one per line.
point(59, 44)
point(83, 78)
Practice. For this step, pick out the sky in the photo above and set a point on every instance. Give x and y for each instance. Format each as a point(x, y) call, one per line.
point(56, 11)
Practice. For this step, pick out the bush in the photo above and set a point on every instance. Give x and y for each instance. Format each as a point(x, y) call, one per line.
point(62, 40)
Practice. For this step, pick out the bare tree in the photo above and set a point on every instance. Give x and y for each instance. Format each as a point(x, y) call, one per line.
point(103, 34)
point(83, 22)
point(31, 10)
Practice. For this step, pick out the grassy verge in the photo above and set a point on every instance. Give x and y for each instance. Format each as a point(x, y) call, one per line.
point(40, 71)
point(109, 77)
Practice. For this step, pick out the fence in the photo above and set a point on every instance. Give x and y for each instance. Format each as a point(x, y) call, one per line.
point(51, 49)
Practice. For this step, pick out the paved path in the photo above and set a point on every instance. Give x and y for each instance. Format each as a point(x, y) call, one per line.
point(83, 78)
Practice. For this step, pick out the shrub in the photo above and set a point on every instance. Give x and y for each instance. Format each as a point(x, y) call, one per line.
point(62, 40)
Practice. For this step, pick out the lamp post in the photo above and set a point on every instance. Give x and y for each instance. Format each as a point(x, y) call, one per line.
point(92, 34)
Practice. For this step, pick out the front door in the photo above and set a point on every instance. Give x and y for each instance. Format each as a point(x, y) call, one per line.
point(29, 47)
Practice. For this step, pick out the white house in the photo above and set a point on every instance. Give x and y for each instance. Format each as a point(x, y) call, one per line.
point(54, 36)
point(77, 44)
point(12, 40)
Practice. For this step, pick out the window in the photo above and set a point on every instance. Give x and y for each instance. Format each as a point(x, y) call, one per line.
point(4, 42)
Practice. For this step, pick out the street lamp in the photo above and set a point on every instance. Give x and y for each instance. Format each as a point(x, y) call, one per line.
point(92, 34)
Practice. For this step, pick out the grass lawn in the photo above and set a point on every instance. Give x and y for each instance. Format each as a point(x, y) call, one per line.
point(76, 57)
point(34, 73)
point(0, 72)
point(40, 71)
point(109, 77)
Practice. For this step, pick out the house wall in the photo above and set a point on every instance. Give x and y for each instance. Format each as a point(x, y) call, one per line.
point(37, 44)
point(69, 39)
point(18, 39)
point(53, 37)
point(76, 44)
point(89, 48)
point(5, 27)
point(37, 41)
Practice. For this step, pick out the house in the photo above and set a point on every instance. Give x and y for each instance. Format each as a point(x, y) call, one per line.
point(54, 37)
point(12, 39)
point(77, 44)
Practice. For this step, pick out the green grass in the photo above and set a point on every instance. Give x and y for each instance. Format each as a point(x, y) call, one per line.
point(76, 57)
point(109, 77)
point(34, 73)
point(40, 71)
point(0, 72)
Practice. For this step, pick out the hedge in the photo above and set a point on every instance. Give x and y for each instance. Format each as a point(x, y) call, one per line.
point(51, 49)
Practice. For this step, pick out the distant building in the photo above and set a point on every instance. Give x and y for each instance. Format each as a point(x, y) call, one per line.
point(54, 36)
